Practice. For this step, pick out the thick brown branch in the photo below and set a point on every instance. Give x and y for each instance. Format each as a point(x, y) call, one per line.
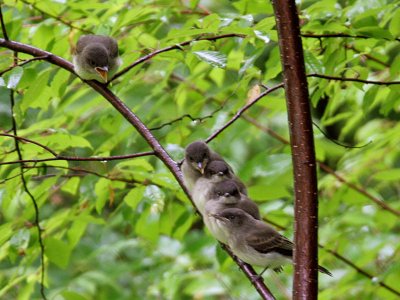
point(305, 284)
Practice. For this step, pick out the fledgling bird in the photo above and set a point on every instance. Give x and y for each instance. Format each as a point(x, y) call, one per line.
point(225, 195)
point(197, 156)
point(216, 171)
point(96, 57)
point(256, 242)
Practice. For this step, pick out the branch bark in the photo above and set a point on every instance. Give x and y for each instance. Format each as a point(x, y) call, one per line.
point(305, 284)
point(144, 132)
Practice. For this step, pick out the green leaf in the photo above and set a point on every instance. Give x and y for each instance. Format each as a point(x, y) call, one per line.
point(57, 251)
point(213, 58)
point(134, 196)
point(14, 77)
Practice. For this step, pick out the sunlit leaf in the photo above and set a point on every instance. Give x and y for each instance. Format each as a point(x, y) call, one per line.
point(213, 58)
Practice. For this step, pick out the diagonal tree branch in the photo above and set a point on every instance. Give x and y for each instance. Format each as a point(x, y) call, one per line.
point(242, 110)
point(144, 132)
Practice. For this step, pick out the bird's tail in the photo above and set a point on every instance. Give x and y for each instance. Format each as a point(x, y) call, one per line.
point(325, 271)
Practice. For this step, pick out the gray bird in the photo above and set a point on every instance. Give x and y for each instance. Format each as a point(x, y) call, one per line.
point(96, 57)
point(225, 195)
point(197, 156)
point(256, 242)
point(215, 171)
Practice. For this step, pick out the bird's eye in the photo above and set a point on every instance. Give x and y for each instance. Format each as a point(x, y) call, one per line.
point(231, 217)
point(219, 194)
point(91, 62)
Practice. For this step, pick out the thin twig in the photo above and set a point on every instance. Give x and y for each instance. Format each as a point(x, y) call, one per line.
point(23, 63)
point(242, 110)
point(3, 25)
point(61, 20)
point(353, 79)
point(344, 35)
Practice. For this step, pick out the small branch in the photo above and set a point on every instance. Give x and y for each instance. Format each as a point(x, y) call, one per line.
point(3, 25)
point(27, 191)
point(68, 158)
point(344, 35)
point(29, 141)
point(67, 23)
point(84, 172)
point(367, 55)
point(242, 110)
point(174, 47)
point(339, 143)
point(23, 63)
point(353, 79)
point(361, 271)
point(76, 158)
point(199, 119)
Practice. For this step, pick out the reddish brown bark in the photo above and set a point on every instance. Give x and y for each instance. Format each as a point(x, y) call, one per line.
point(305, 284)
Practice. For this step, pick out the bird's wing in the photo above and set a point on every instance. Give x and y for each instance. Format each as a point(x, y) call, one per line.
point(268, 240)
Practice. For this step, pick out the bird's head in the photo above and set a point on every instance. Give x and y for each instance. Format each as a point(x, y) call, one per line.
point(198, 155)
point(96, 60)
point(226, 192)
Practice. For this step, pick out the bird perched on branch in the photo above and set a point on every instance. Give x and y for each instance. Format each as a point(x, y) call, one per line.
point(96, 57)
point(197, 156)
point(256, 242)
point(216, 171)
point(223, 195)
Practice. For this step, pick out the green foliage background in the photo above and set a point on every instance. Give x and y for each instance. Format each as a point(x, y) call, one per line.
point(124, 229)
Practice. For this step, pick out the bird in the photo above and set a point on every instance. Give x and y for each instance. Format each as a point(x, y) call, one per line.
point(197, 156)
point(96, 57)
point(223, 195)
point(216, 171)
point(255, 242)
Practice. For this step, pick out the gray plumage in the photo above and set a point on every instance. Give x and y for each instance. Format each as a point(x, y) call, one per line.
point(225, 195)
point(96, 57)
point(216, 171)
point(197, 156)
point(256, 242)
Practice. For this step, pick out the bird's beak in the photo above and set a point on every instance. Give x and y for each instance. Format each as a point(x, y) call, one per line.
point(201, 167)
point(103, 72)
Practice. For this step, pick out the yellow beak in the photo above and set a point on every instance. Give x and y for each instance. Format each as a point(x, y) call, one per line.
point(103, 72)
